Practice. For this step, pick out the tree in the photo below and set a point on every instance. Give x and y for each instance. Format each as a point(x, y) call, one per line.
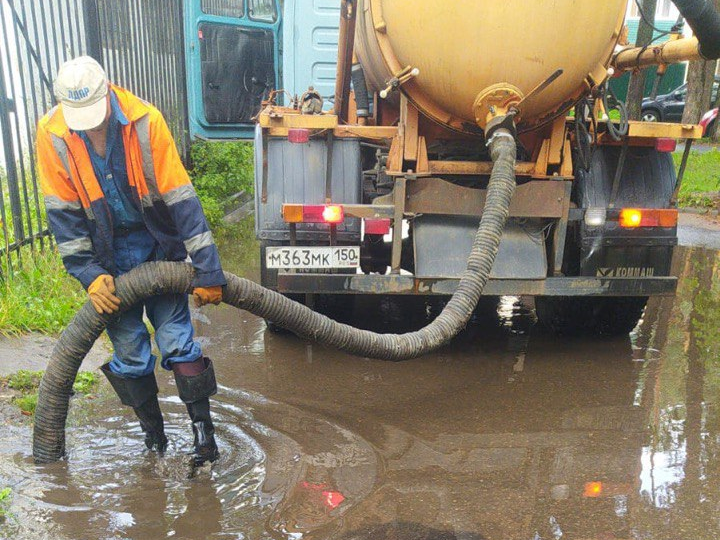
point(701, 75)
point(636, 89)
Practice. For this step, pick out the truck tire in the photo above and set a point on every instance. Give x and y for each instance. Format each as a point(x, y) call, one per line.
point(648, 181)
point(570, 316)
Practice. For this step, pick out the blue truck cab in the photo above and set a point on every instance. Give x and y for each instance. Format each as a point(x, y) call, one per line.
point(237, 51)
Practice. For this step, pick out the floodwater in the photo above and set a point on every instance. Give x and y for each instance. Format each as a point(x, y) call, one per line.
point(506, 434)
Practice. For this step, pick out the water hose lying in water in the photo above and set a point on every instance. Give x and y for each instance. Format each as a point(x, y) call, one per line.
point(157, 278)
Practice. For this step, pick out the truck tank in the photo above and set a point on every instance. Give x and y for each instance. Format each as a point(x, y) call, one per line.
point(462, 51)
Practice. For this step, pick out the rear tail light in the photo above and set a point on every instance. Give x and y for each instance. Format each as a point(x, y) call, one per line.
point(377, 226)
point(333, 214)
point(313, 213)
point(298, 136)
point(665, 145)
point(632, 218)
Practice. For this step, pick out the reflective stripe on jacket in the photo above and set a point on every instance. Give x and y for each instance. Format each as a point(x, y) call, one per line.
point(78, 212)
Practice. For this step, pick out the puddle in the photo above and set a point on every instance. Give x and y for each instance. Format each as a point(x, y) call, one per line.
point(506, 434)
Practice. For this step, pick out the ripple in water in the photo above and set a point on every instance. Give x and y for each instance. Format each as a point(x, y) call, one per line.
point(284, 472)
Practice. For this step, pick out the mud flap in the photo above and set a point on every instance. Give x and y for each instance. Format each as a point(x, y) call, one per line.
point(443, 243)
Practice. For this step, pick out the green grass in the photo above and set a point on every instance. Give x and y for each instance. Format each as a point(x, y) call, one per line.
point(5, 496)
point(39, 297)
point(27, 383)
point(27, 403)
point(239, 249)
point(24, 380)
point(86, 383)
point(702, 176)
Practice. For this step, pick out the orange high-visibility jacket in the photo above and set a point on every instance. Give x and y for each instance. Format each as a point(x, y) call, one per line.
point(79, 215)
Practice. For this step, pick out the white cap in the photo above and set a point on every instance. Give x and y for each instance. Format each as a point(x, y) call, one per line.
point(81, 88)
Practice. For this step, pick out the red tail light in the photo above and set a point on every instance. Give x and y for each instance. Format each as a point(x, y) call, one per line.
point(377, 226)
point(298, 136)
point(313, 213)
point(665, 145)
point(632, 218)
point(333, 214)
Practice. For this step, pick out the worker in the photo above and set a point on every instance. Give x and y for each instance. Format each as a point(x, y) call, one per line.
point(117, 195)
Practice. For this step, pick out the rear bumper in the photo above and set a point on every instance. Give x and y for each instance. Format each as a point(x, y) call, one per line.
point(289, 283)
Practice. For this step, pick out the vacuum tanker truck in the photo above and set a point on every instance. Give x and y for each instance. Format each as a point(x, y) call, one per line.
point(381, 191)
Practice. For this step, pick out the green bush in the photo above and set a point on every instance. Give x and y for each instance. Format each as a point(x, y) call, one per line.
point(220, 170)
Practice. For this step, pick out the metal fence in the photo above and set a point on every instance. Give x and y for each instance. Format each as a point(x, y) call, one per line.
point(139, 42)
point(142, 48)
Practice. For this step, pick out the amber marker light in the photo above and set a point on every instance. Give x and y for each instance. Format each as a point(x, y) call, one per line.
point(630, 218)
point(292, 213)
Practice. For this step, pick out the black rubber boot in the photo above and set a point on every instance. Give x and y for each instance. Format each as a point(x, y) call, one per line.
point(141, 395)
point(195, 392)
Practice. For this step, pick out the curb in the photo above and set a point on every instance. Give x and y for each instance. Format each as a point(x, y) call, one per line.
point(699, 211)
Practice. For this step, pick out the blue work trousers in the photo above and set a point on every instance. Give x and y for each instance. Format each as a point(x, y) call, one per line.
point(169, 314)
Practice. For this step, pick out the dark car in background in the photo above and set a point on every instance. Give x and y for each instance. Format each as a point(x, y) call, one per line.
point(670, 107)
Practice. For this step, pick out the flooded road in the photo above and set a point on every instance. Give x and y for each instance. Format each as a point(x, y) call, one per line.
point(506, 434)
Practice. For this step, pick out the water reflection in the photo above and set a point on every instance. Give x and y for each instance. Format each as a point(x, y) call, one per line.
point(506, 434)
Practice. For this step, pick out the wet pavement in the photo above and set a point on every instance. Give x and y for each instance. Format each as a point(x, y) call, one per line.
point(506, 434)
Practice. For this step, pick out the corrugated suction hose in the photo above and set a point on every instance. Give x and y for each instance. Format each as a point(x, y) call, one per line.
point(155, 278)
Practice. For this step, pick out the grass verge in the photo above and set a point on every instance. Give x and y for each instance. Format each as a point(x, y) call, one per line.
point(702, 179)
point(40, 296)
point(27, 383)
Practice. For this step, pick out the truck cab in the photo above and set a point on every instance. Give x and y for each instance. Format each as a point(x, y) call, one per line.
point(232, 53)
point(238, 51)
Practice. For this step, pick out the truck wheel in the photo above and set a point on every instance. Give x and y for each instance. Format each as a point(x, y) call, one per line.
point(612, 316)
point(648, 179)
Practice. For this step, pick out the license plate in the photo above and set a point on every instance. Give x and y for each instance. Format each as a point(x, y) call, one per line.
point(313, 258)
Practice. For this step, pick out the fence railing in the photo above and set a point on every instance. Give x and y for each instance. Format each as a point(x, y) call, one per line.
point(140, 44)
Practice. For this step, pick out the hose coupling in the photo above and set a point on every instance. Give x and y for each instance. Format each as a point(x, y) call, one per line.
point(501, 125)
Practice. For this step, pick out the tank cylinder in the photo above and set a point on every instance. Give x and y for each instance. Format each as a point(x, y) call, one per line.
point(460, 52)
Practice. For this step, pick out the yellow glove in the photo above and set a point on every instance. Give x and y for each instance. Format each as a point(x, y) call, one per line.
point(207, 295)
point(101, 294)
